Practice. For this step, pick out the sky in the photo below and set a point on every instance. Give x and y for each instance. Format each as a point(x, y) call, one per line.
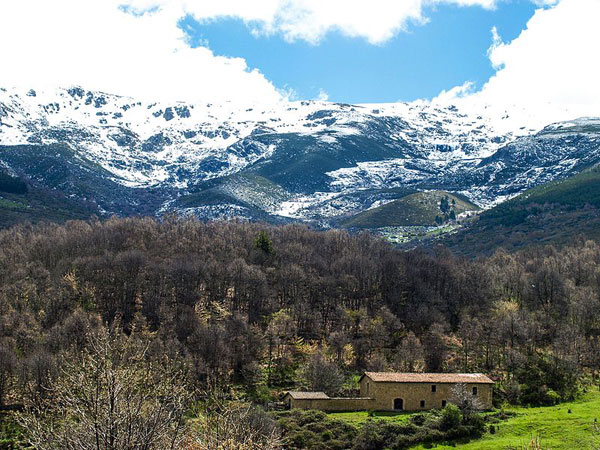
point(537, 55)
point(450, 48)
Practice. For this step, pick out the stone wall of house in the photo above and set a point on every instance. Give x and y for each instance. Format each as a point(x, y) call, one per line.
point(413, 394)
point(334, 404)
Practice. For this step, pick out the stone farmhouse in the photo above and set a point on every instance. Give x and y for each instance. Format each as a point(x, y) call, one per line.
point(389, 391)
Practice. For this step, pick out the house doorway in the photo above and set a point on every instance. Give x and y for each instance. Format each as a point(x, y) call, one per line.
point(398, 404)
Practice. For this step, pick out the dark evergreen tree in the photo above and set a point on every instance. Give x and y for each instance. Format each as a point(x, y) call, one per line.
point(263, 242)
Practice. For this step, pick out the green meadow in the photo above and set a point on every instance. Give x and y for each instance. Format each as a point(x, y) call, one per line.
point(554, 426)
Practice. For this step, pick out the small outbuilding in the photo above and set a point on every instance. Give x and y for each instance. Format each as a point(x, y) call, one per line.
point(321, 401)
point(303, 400)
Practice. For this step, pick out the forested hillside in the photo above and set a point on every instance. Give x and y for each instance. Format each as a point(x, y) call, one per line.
point(21, 202)
point(251, 310)
point(553, 213)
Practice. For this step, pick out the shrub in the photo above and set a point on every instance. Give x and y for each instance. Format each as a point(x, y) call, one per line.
point(301, 439)
point(369, 437)
point(552, 398)
point(512, 393)
point(262, 394)
point(402, 441)
point(418, 419)
point(428, 436)
point(312, 416)
point(314, 430)
point(307, 430)
point(450, 417)
point(326, 436)
point(477, 424)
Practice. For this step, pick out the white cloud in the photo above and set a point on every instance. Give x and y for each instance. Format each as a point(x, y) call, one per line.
point(456, 93)
point(100, 45)
point(323, 96)
point(550, 72)
point(134, 47)
point(310, 20)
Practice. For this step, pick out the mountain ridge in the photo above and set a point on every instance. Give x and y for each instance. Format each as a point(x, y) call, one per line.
point(297, 161)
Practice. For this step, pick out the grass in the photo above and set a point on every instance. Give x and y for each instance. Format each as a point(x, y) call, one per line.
point(553, 425)
point(4, 203)
point(359, 417)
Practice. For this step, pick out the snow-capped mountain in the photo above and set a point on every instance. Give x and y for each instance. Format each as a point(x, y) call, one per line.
point(296, 160)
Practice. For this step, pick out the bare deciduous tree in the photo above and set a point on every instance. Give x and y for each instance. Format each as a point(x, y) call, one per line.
point(111, 398)
point(234, 426)
point(409, 357)
point(321, 374)
point(464, 398)
point(8, 363)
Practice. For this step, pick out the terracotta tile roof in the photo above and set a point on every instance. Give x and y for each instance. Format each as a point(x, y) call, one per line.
point(394, 377)
point(296, 395)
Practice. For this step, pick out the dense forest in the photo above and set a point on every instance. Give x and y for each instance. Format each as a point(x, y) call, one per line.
point(250, 310)
point(12, 184)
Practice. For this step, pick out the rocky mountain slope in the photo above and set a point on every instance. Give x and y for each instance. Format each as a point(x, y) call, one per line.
point(316, 161)
point(556, 212)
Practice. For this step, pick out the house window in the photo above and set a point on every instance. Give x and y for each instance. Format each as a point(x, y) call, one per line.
point(367, 388)
point(443, 403)
point(474, 390)
point(422, 403)
point(433, 387)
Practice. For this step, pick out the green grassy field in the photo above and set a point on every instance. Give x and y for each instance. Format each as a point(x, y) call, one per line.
point(554, 425)
point(359, 417)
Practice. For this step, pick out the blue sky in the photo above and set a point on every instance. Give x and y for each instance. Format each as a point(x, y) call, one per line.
point(450, 49)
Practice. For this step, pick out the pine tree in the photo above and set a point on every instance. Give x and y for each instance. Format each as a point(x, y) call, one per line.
point(264, 243)
point(444, 204)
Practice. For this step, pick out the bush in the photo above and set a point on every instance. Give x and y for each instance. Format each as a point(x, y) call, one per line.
point(307, 430)
point(403, 441)
point(370, 437)
point(302, 439)
point(310, 417)
point(546, 381)
point(450, 417)
point(314, 430)
point(477, 424)
point(418, 419)
point(261, 394)
point(326, 436)
point(11, 434)
point(512, 393)
point(552, 398)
